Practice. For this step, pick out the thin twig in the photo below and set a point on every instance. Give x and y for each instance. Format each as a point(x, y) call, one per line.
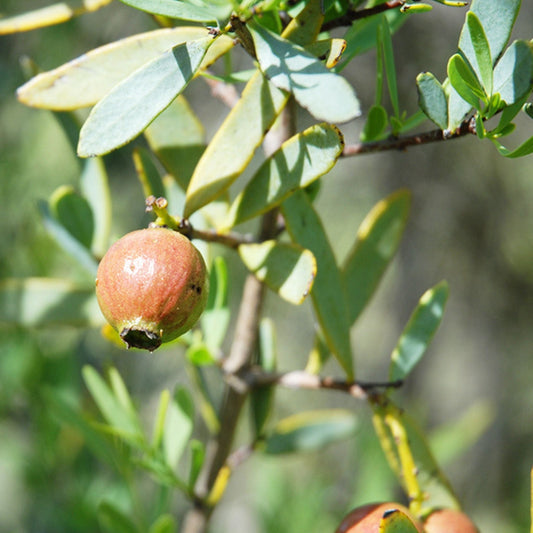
point(351, 16)
point(231, 240)
point(225, 92)
point(467, 127)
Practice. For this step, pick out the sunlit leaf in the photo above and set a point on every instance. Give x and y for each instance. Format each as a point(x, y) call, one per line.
point(305, 228)
point(174, 9)
point(85, 80)
point(377, 240)
point(390, 68)
point(418, 332)
point(326, 95)
point(136, 101)
point(200, 355)
point(465, 82)
point(287, 269)
point(300, 160)
point(481, 48)
point(396, 521)
point(432, 99)
point(49, 15)
point(311, 430)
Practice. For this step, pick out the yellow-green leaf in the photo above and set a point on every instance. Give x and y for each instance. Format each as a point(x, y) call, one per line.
point(395, 521)
point(285, 268)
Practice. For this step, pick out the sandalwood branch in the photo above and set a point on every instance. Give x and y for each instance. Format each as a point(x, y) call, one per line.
point(351, 16)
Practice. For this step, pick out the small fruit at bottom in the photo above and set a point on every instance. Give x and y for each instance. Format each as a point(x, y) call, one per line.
point(366, 519)
point(152, 286)
point(449, 521)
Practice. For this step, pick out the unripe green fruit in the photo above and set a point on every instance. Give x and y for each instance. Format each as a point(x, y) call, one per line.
point(449, 521)
point(152, 286)
point(366, 519)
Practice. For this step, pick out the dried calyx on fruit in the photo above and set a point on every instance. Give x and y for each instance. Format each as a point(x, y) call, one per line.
point(449, 521)
point(366, 519)
point(152, 286)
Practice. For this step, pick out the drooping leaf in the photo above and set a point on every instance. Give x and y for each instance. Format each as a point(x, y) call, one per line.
point(326, 95)
point(175, 9)
point(64, 238)
point(42, 302)
point(74, 213)
point(481, 49)
point(432, 99)
point(85, 80)
point(300, 160)
point(287, 269)
point(513, 73)
point(465, 82)
point(49, 15)
point(377, 240)
point(95, 187)
point(396, 521)
point(310, 430)
point(305, 228)
point(524, 149)
point(418, 332)
point(244, 128)
point(177, 137)
point(136, 101)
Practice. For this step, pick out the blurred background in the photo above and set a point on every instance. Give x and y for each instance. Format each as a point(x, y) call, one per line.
point(471, 223)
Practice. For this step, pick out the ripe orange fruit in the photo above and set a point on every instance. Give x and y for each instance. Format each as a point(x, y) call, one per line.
point(152, 286)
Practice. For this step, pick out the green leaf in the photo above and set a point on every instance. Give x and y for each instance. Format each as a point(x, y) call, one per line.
point(376, 124)
point(179, 425)
point(200, 355)
point(395, 521)
point(418, 332)
point(113, 520)
point(95, 187)
point(326, 95)
point(261, 398)
point(177, 137)
point(513, 75)
point(432, 99)
point(197, 460)
point(147, 172)
point(164, 524)
point(40, 302)
point(377, 240)
point(305, 229)
point(137, 100)
point(287, 269)
point(311, 430)
point(174, 9)
point(385, 37)
point(481, 49)
point(85, 80)
point(524, 149)
point(465, 82)
point(300, 161)
point(74, 213)
point(49, 15)
point(204, 400)
point(64, 238)
point(122, 421)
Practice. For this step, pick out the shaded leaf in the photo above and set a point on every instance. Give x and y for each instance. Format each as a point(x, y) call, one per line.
point(432, 99)
point(513, 74)
point(74, 213)
point(197, 460)
point(311, 430)
point(287, 269)
point(300, 160)
point(377, 240)
point(376, 124)
point(147, 172)
point(174, 9)
point(114, 520)
point(49, 15)
point(395, 521)
point(136, 101)
point(418, 332)
point(85, 80)
point(326, 95)
point(305, 228)
point(40, 302)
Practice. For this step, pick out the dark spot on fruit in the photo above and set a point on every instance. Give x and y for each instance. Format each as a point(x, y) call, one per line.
point(140, 338)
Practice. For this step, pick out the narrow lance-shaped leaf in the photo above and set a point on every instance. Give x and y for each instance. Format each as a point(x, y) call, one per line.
point(287, 269)
point(137, 100)
point(174, 9)
point(390, 68)
point(524, 149)
point(419, 331)
point(432, 99)
point(244, 128)
point(49, 15)
point(310, 430)
point(305, 228)
point(481, 48)
point(378, 238)
point(300, 160)
point(326, 95)
point(147, 172)
point(85, 80)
